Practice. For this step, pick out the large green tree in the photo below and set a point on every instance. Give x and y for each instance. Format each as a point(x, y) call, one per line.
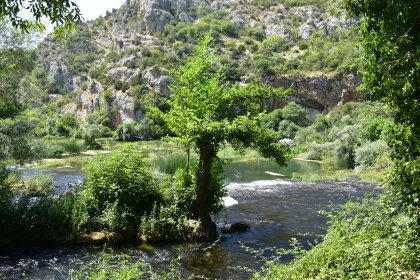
point(390, 36)
point(16, 59)
point(206, 112)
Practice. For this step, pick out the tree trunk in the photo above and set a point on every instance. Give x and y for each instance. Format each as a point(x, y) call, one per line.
point(201, 206)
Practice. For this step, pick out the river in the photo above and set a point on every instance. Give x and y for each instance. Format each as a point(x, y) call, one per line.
point(276, 207)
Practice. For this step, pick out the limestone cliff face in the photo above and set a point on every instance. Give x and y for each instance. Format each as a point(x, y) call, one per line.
point(137, 25)
point(157, 80)
point(122, 108)
point(318, 94)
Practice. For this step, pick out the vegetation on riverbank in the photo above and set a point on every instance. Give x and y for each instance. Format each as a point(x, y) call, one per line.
point(368, 239)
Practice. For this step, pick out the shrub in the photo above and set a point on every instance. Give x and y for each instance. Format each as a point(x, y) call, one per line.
point(274, 43)
point(128, 131)
point(344, 152)
point(322, 123)
point(107, 95)
point(118, 84)
point(170, 162)
point(84, 86)
point(256, 33)
point(125, 86)
point(367, 154)
point(8, 176)
point(26, 219)
point(295, 113)
point(73, 146)
point(365, 240)
point(99, 117)
point(65, 124)
point(287, 129)
point(119, 190)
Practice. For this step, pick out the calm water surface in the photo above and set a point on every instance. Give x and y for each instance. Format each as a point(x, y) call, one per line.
point(277, 210)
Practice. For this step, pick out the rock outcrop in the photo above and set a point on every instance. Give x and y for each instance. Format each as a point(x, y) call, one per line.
point(157, 80)
point(318, 94)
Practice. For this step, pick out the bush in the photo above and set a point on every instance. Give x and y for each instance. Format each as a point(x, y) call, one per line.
point(44, 219)
point(274, 43)
point(256, 33)
point(125, 86)
point(287, 129)
point(367, 154)
point(84, 86)
point(344, 152)
point(118, 84)
point(73, 146)
point(365, 240)
point(272, 120)
point(119, 190)
point(128, 131)
point(99, 117)
point(107, 95)
point(170, 162)
point(322, 123)
point(8, 176)
point(66, 124)
point(295, 113)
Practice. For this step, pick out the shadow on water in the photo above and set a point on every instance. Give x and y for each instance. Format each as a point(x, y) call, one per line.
point(277, 211)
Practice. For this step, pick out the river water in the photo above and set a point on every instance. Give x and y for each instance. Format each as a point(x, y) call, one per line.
point(276, 207)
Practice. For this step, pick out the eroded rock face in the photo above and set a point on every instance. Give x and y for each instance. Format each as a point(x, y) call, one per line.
point(122, 106)
point(157, 14)
point(157, 80)
point(319, 94)
point(123, 73)
point(59, 72)
point(90, 103)
point(306, 30)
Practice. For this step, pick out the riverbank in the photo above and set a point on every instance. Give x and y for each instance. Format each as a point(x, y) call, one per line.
point(276, 210)
point(160, 153)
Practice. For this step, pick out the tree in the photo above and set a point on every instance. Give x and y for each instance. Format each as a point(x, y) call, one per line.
point(63, 14)
point(15, 60)
point(390, 37)
point(206, 112)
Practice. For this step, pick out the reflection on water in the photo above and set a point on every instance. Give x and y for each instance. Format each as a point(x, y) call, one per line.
point(277, 210)
point(253, 170)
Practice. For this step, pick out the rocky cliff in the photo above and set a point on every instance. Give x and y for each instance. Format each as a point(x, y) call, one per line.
point(132, 46)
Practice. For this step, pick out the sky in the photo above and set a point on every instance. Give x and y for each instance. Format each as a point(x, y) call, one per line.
point(92, 9)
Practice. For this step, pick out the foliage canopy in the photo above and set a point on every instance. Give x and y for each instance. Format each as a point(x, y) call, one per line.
point(206, 112)
point(64, 14)
point(390, 36)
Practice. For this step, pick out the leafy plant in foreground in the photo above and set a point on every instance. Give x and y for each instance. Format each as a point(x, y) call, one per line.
point(365, 240)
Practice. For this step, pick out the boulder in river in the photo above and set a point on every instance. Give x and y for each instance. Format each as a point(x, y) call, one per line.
point(236, 227)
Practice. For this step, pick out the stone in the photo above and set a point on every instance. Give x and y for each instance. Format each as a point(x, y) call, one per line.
point(236, 227)
point(288, 142)
point(305, 31)
point(157, 80)
point(318, 94)
point(126, 59)
point(123, 73)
